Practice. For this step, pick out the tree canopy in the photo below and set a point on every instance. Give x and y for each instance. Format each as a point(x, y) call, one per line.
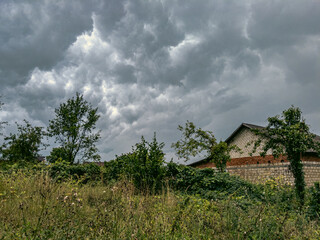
point(24, 145)
point(195, 141)
point(144, 165)
point(289, 135)
point(1, 122)
point(73, 128)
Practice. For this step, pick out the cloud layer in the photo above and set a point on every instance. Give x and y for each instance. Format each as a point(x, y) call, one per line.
point(151, 65)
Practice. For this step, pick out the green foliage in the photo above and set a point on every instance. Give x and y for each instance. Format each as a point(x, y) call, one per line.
point(144, 165)
point(115, 169)
point(25, 145)
point(219, 155)
point(209, 184)
point(38, 207)
point(73, 129)
point(289, 135)
point(57, 154)
point(195, 141)
point(1, 122)
point(62, 171)
point(314, 206)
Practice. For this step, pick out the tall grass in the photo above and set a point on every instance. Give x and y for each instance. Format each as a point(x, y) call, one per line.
point(34, 206)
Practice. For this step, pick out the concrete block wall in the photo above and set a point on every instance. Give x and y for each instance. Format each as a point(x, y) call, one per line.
point(260, 173)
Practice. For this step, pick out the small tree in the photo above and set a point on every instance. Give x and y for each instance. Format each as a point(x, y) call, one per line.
point(57, 154)
point(144, 165)
point(289, 135)
point(73, 129)
point(25, 145)
point(195, 141)
point(1, 122)
point(220, 155)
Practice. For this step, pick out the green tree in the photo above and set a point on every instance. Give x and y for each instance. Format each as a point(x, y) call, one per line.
point(1, 122)
point(144, 165)
point(56, 154)
point(288, 135)
point(195, 141)
point(24, 145)
point(73, 129)
point(220, 155)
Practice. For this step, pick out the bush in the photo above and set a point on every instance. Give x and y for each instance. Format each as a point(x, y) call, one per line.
point(208, 183)
point(144, 166)
point(62, 170)
point(314, 206)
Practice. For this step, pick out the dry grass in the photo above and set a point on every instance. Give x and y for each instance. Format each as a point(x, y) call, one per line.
point(36, 207)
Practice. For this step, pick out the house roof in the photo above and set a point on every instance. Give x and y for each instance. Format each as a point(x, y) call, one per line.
point(243, 125)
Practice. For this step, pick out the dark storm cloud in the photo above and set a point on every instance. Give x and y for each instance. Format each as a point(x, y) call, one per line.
point(36, 34)
point(278, 24)
point(288, 31)
point(151, 65)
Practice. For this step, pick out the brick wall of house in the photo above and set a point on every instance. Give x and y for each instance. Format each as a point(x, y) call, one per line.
point(258, 169)
point(269, 159)
point(260, 173)
point(243, 140)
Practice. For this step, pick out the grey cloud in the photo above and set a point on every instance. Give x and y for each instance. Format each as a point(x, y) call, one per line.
point(281, 23)
point(124, 73)
point(151, 65)
point(36, 34)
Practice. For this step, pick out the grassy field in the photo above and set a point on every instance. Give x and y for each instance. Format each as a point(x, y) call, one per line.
point(34, 206)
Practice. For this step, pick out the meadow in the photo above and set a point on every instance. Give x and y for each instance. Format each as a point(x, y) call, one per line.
point(37, 203)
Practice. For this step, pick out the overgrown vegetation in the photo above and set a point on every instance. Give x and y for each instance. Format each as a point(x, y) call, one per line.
point(289, 135)
point(139, 196)
point(35, 205)
point(196, 141)
point(24, 145)
point(144, 166)
point(1, 122)
point(73, 128)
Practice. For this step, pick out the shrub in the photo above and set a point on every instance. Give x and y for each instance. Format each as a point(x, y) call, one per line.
point(62, 170)
point(144, 165)
point(314, 206)
point(208, 183)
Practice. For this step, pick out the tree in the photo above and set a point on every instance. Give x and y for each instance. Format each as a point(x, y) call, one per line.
point(25, 145)
point(73, 129)
point(144, 165)
point(288, 135)
point(56, 154)
point(1, 122)
point(195, 141)
point(220, 155)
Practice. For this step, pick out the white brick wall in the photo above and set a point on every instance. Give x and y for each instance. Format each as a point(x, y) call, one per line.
point(242, 139)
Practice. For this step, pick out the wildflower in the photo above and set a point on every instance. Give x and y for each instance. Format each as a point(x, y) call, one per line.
point(65, 198)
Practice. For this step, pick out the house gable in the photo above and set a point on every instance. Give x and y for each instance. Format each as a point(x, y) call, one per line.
point(258, 169)
point(244, 138)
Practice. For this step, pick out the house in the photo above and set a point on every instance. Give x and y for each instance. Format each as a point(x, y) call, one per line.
point(253, 167)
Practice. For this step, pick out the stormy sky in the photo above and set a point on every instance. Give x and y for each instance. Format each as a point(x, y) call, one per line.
point(150, 65)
